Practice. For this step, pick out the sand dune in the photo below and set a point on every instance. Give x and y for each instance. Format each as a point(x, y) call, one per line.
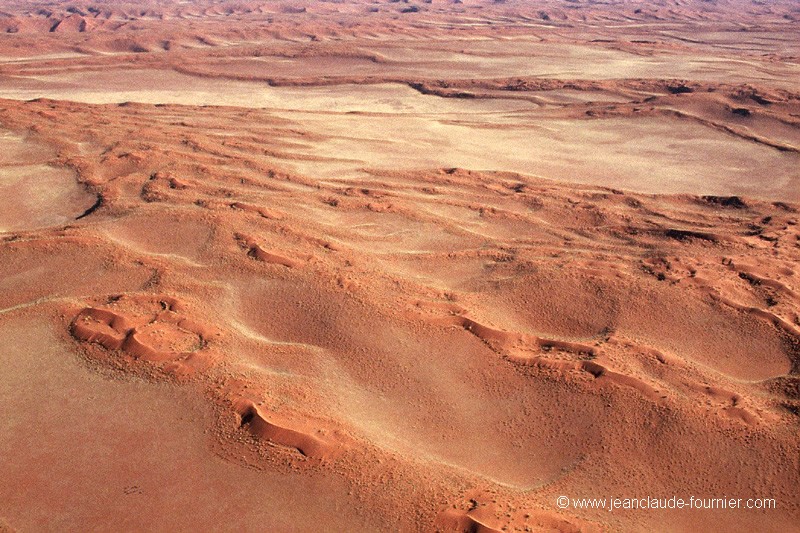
point(416, 266)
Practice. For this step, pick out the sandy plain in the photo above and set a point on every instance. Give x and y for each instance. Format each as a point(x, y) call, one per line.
point(380, 266)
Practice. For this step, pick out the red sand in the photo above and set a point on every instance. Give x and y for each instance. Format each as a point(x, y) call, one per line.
point(424, 266)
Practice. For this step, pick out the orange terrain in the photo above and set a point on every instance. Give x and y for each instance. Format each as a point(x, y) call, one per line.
point(418, 265)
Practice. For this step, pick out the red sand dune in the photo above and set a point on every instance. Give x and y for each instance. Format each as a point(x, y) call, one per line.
point(416, 266)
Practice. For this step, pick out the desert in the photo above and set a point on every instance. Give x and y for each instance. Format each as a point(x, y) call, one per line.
point(418, 265)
